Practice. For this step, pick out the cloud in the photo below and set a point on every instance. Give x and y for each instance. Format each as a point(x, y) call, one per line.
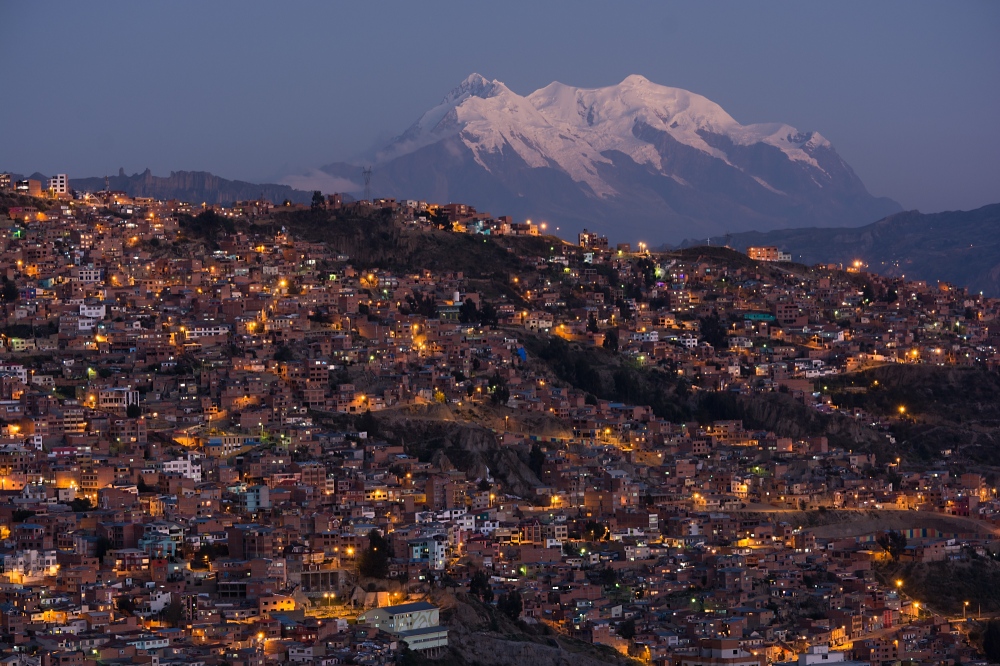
point(314, 179)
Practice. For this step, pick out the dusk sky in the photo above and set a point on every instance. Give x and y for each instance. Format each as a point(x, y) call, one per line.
point(907, 92)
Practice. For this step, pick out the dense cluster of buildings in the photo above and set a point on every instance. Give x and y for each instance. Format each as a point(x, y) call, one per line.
point(171, 490)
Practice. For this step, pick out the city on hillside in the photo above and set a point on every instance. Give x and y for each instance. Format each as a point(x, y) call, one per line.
point(270, 433)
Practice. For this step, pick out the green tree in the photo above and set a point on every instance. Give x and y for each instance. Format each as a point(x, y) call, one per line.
point(713, 331)
point(536, 459)
point(102, 547)
point(468, 313)
point(626, 629)
point(173, 613)
point(594, 531)
point(511, 604)
point(374, 560)
point(81, 504)
point(133, 411)
point(367, 423)
point(611, 340)
point(318, 200)
point(488, 315)
point(892, 542)
point(991, 641)
point(480, 586)
point(498, 390)
point(9, 292)
point(125, 604)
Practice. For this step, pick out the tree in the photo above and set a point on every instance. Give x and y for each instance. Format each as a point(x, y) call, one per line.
point(173, 613)
point(488, 315)
point(594, 531)
point(102, 546)
point(374, 560)
point(611, 340)
point(892, 542)
point(536, 458)
point(498, 390)
point(318, 201)
point(626, 629)
point(480, 587)
point(867, 295)
point(125, 604)
point(367, 423)
point(21, 515)
point(133, 411)
point(592, 324)
point(991, 641)
point(511, 604)
point(468, 313)
point(284, 353)
point(419, 303)
point(713, 331)
point(9, 292)
point(81, 504)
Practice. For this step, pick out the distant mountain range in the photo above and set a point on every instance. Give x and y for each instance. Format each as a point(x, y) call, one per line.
point(637, 161)
point(960, 247)
point(192, 186)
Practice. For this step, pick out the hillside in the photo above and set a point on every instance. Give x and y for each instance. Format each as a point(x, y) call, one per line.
point(376, 240)
point(192, 186)
point(948, 409)
point(960, 247)
point(479, 634)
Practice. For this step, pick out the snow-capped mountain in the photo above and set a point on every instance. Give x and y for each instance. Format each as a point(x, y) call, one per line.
point(635, 160)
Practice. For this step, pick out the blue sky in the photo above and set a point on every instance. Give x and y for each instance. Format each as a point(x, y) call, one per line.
point(908, 92)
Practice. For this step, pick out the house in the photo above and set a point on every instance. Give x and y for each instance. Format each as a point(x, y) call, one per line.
point(416, 624)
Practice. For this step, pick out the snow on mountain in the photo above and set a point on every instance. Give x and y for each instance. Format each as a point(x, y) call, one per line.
point(571, 128)
point(635, 159)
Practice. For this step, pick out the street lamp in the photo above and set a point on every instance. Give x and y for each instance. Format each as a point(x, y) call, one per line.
point(965, 607)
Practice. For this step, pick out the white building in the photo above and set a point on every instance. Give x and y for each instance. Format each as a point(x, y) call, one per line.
point(416, 624)
point(25, 566)
point(59, 184)
point(188, 467)
point(117, 398)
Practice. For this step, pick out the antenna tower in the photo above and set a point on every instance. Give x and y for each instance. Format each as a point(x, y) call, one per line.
point(367, 173)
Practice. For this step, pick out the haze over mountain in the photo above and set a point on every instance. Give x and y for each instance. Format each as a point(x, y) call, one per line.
point(193, 186)
point(635, 160)
point(960, 247)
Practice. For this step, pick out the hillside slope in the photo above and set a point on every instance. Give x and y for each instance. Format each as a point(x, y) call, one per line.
point(960, 247)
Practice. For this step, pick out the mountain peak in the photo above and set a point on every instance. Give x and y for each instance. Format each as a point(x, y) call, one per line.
point(635, 80)
point(475, 85)
point(634, 140)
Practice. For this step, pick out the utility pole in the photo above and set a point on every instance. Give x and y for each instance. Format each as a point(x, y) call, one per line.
point(367, 173)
